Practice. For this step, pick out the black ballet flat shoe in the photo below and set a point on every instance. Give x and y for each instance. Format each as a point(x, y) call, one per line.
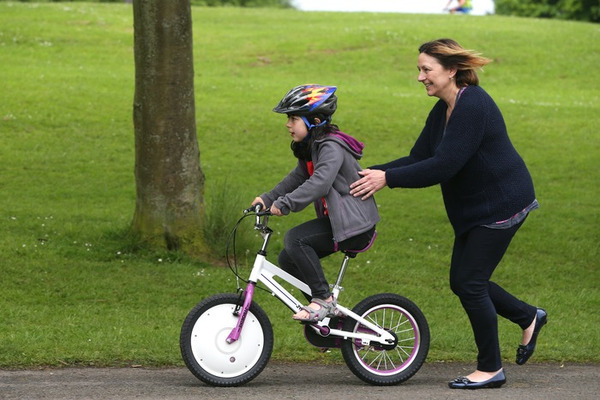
point(464, 383)
point(526, 351)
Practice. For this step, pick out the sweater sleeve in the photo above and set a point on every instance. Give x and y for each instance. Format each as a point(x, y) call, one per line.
point(459, 142)
point(327, 164)
point(419, 151)
point(289, 183)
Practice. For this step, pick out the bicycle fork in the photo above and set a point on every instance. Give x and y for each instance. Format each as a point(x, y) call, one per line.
point(242, 312)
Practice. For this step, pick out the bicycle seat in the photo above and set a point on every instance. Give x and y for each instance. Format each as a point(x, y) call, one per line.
point(354, 253)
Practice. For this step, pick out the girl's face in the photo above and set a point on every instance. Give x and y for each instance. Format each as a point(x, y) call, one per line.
point(438, 80)
point(297, 128)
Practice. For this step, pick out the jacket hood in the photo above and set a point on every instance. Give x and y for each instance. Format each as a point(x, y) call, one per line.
point(348, 142)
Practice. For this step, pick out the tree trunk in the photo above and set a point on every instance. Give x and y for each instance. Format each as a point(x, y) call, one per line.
point(169, 180)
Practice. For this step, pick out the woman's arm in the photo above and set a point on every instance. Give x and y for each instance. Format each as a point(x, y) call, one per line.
point(461, 140)
point(429, 164)
point(374, 178)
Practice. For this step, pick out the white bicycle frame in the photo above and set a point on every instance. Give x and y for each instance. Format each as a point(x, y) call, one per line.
point(264, 271)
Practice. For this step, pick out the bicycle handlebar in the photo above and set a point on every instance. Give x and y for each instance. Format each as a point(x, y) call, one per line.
point(262, 217)
point(256, 209)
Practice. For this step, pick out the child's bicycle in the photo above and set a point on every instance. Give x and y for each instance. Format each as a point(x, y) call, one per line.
point(227, 339)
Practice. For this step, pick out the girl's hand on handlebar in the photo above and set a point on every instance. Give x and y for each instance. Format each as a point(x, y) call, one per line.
point(275, 211)
point(259, 200)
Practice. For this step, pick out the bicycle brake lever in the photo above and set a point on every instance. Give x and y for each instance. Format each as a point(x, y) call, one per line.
point(255, 208)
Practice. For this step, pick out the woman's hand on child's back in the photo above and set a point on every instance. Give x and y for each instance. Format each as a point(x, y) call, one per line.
point(372, 181)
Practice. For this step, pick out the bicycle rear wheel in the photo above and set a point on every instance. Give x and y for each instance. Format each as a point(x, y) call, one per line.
point(208, 355)
point(394, 363)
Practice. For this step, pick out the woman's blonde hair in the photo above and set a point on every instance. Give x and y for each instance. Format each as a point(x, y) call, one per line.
point(450, 55)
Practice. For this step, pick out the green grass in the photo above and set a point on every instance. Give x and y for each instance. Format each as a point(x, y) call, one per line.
point(77, 291)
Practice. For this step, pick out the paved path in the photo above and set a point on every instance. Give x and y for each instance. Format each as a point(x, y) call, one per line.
point(283, 380)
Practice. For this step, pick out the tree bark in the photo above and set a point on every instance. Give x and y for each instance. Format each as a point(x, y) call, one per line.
point(169, 180)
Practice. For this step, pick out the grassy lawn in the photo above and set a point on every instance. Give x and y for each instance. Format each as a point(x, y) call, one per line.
point(76, 291)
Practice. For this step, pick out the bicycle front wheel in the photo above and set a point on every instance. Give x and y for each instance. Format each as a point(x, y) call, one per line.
point(394, 363)
point(204, 346)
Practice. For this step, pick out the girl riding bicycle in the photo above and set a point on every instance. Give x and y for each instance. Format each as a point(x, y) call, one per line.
point(327, 164)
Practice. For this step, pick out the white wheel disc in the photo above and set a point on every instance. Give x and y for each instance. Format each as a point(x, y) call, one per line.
point(210, 347)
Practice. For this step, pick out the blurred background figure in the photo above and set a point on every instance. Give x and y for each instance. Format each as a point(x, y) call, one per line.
point(459, 6)
point(477, 7)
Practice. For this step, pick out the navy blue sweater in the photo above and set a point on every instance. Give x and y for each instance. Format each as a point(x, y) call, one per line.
point(483, 178)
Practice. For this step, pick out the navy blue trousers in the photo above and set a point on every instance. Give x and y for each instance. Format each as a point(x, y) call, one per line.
point(475, 256)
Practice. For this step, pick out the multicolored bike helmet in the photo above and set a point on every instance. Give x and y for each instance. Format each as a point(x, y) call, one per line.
point(309, 100)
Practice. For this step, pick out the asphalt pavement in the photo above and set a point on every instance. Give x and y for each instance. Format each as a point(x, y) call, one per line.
point(546, 381)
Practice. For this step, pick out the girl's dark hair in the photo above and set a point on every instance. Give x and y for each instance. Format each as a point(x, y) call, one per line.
point(302, 150)
point(451, 55)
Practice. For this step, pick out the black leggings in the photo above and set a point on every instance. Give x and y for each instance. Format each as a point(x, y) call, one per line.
point(306, 243)
point(474, 258)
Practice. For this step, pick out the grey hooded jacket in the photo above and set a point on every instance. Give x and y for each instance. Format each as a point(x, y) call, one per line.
point(335, 160)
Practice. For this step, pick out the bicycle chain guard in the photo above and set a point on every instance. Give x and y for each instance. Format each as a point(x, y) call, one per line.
point(320, 341)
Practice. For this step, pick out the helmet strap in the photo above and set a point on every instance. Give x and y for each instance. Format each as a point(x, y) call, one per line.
point(310, 126)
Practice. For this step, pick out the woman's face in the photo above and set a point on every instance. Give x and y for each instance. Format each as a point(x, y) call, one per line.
point(297, 128)
point(438, 80)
